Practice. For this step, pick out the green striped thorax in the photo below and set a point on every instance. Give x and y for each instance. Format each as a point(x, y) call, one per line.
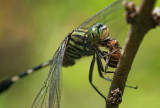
point(98, 32)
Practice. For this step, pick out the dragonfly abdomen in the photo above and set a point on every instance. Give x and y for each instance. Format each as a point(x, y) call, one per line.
point(5, 84)
point(76, 48)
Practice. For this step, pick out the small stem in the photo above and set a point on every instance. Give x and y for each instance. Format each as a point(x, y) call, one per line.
point(141, 25)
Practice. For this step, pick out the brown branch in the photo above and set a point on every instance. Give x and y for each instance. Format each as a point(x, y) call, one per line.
point(141, 22)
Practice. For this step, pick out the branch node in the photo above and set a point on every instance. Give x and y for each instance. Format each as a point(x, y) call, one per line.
point(116, 96)
point(141, 22)
point(156, 16)
point(130, 12)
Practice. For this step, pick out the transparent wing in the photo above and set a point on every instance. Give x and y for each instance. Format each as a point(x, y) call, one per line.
point(113, 16)
point(104, 16)
point(49, 94)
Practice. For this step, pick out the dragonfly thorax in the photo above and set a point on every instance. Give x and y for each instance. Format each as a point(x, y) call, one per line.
point(98, 32)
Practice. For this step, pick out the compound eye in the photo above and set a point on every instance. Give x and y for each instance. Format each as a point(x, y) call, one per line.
point(104, 32)
point(99, 25)
point(93, 34)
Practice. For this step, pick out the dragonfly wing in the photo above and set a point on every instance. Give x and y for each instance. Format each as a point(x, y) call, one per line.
point(103, 16)
point(49, 94)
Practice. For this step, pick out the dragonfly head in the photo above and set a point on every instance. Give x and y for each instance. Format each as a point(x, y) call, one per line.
point(98, 32)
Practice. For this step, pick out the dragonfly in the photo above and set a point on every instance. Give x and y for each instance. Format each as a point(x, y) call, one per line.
point(85, 40)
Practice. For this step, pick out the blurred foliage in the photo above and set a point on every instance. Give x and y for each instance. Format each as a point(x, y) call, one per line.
point(32, 30)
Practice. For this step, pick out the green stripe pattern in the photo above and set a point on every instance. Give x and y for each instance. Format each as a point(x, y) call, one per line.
point(76, 47)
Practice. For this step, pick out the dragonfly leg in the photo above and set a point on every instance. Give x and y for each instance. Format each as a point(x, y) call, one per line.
point(106, 66)
point(91, 76)
point(109, 71)
point(106, 56)
point(108, 79)
point(100, 69)
point(99, 63)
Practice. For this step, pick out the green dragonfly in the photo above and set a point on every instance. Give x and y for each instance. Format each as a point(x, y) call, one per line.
point(85, 40)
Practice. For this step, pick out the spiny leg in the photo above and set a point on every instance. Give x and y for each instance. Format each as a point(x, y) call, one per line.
point(106, 56)
point(90, 77)
point(100, 70)
point(106, 66)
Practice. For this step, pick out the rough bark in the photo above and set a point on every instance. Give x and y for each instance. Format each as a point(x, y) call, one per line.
point(141, 22)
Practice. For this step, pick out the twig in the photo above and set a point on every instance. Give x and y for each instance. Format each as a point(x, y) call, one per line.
point(141, 22)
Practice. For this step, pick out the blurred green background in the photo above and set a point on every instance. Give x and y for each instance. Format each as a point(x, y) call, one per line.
point(32, 30)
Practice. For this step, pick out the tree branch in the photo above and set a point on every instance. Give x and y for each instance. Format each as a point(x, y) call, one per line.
point(141, 22)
